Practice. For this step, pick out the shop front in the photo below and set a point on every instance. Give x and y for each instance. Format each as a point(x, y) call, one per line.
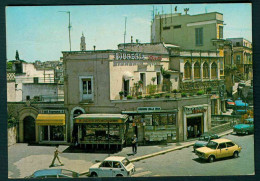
point(195, 121)
point(151, 124)
point(51, 128)
point(100, 130)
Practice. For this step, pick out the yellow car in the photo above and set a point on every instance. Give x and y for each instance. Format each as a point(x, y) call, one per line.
point(218, 148)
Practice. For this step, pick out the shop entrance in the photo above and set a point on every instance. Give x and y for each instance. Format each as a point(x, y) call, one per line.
point(194, 127)
point(29, 129)
point(126, 87)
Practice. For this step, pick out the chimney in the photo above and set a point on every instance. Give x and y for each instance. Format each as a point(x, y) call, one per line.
point(94, 47)
point(131, 39)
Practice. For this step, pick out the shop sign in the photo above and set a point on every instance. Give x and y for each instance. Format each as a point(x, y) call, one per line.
point(51, 111)
point(136, 56)
point(194, 110)
point(148, 109)
point(97, 121)
point(129, 56)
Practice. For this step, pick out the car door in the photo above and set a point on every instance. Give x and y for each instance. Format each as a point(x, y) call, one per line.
point(231, 148)
point(105, 169)
point(222, 150)
point(118, 169)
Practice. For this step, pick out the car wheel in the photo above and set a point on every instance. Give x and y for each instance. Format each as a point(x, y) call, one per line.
point(119, 175)
point(93, 174)
point(211, 159)
point(235, 155)
point(247, 133)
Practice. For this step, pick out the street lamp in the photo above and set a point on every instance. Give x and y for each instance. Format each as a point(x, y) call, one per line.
point(68, 26)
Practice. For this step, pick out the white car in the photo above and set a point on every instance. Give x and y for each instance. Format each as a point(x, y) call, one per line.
point(113, 166)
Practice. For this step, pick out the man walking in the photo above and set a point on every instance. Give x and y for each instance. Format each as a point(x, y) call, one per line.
point(134, 144)
point(56, 155)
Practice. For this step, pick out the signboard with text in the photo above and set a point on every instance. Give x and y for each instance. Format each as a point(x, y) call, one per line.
point(136, 56)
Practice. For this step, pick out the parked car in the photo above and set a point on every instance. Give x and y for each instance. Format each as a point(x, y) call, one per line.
point(113, 166)
point(204, 140)
point(54, 173)
point(218, 148)
point(246, 128)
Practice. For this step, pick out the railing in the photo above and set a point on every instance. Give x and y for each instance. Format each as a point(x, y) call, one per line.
point(49, 98)
point(36, 80)
point(150, 89)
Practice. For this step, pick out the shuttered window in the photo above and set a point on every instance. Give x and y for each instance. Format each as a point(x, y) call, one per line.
point(199, 36)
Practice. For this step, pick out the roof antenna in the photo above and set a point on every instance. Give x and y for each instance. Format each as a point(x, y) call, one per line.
point(125, 32)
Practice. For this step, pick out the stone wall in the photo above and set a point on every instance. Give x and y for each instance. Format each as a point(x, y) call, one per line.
point(12, 136)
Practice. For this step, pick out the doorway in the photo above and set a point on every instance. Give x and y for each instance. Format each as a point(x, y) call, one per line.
point(126, 87)
point(194, 127)
point(29, 129)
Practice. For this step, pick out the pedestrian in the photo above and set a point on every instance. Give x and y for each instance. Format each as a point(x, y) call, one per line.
point(56, 155)
point(134, 144)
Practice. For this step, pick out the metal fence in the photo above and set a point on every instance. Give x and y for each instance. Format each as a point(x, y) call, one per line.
point(222, 119)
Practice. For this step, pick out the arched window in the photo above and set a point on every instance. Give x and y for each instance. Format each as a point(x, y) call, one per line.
point(205, 70)
point(187, 70)
point(214, 70)
point(197, 70)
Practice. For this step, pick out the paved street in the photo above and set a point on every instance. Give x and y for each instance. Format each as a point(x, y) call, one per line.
point(32, 158)
point(185, 163)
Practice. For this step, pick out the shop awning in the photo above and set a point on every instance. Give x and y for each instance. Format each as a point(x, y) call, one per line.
point(101, 118)
point(50, 119)
point(240, 103)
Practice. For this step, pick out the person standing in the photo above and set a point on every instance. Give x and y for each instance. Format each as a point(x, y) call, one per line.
point(134, 144)
point(56, 155)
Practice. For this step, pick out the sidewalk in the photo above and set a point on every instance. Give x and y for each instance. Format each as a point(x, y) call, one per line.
point(24, 160)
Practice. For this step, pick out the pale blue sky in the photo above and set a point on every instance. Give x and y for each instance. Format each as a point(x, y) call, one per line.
point(41, 32)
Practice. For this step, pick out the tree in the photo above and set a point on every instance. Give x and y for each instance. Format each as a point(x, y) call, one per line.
point(153, 80)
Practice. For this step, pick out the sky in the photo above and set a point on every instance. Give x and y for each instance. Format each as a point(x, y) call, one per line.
point(41, 32)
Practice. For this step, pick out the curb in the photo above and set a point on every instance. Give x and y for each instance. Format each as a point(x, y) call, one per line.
point(172, 149)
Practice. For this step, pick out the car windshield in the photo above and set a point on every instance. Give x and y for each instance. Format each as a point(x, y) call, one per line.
point(212, 145)
point(125, 162)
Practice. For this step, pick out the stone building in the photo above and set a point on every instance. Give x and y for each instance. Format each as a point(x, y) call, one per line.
point(93, 80)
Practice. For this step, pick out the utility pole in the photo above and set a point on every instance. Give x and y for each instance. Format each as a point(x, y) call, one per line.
point(68, 26)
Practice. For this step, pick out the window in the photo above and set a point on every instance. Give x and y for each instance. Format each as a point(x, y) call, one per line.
point(213, 70)
point(187, 70)
point(106, 164)
point(230, 144)
point(86, 88)
point(116, 165)
point(142, 78)
point(166, 28)
point(197, 70)
point(171, 119)
point(238, 58)
point(222, 145)
point(205, 70)
point(220, 32)
point(199, 36)
point(237, 44)
point(177, 26)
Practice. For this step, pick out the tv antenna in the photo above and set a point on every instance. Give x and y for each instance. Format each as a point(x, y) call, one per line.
point(69, 27)
point(186, 10)
point(125, 31)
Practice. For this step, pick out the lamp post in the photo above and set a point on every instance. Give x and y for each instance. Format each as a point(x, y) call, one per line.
point(108, 132)
point(68, 26)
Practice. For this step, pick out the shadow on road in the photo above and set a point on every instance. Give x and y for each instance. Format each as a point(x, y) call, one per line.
point(202, 161)
point(73, 149)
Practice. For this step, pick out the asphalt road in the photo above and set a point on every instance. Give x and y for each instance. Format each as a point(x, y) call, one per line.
point(185, 163)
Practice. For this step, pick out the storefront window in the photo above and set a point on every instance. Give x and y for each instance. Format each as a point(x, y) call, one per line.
point(163, 119)
point(171, 119)
point(45, 133)
point(156, 119)
point(56, 133)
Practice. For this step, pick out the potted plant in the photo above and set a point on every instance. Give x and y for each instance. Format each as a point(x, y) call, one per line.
point(191, 94)
point(167, 96)
point(148, 97)
point(201, 92)
point(121, 93)
point(209, 89)
point(183, 94)
point(139, 97)
point(129, 97)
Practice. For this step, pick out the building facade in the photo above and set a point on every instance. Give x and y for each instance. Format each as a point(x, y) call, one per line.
point(94, 79)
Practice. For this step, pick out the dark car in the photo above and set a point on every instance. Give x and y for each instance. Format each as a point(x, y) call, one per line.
point(54, 173)
point(246, 128)
point(204, 139)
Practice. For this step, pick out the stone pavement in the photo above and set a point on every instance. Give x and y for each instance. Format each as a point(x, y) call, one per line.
point(24, 159)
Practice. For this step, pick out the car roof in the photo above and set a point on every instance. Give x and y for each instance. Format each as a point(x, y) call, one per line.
point(221, 140)
point(115, 158)
point(47, 172)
